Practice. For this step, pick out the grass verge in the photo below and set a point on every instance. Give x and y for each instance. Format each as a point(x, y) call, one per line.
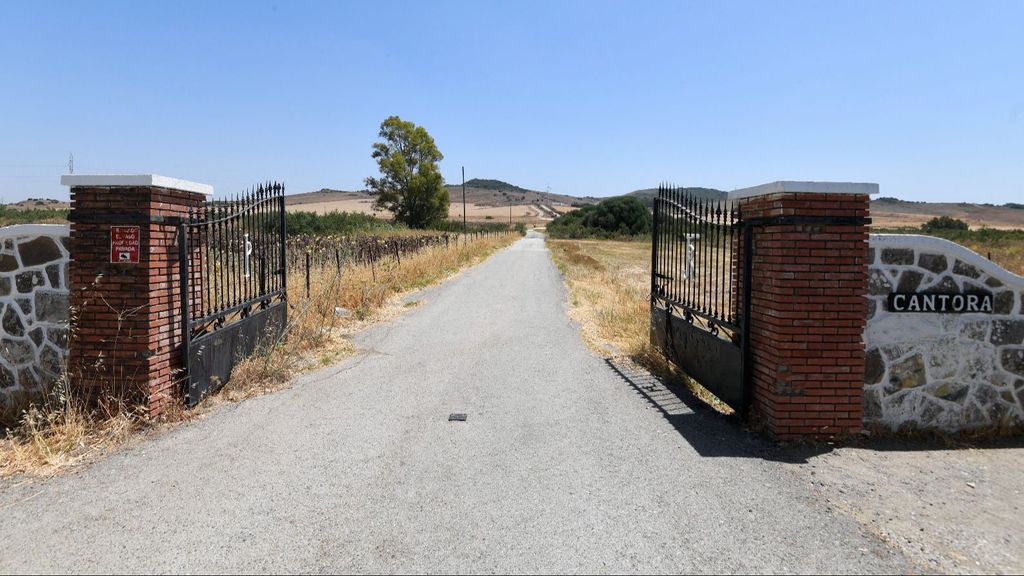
point(61, 431)
point(609, 287)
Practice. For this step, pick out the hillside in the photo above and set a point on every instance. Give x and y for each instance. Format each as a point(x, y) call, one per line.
point(892, 212)
point(489, 199)
point(647, 195)
point(38, 204)
point(486, 199)
point(492, 198)
point(485, 192)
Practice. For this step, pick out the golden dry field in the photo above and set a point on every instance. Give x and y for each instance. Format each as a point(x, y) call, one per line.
point(889, 214)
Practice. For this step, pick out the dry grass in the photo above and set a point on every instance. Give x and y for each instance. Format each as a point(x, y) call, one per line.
point(1007, 253)
point(63, 432)
point(1003, 247)
point(609, 284)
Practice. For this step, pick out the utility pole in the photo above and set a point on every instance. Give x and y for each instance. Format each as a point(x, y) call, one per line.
point(510, 212)
point(464, 200)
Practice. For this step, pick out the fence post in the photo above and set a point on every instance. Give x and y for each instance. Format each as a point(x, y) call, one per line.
point(806, 249)
point(127, 337)
point(654, 248)
point(307, 274)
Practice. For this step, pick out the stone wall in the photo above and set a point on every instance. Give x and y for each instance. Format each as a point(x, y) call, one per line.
point(33, 312)
point(945, 372)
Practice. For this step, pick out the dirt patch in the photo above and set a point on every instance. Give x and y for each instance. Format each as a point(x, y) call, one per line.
point(950, 510)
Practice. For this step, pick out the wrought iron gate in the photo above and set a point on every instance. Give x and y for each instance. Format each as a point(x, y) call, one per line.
point(699, 296)
point(233, 284)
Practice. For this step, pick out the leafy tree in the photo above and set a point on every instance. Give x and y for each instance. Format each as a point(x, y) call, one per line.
point(944, 223)
point(410, 186)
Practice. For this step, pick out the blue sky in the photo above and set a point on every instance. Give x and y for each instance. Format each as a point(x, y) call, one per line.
point(598, 98)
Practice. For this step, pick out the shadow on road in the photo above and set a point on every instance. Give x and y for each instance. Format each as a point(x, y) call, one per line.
point(710, 433)
point(713, 434)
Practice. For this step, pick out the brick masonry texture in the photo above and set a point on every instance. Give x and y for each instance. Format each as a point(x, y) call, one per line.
point(808, 310)
point(33, 314)
point(942, 372)
point(127, 325)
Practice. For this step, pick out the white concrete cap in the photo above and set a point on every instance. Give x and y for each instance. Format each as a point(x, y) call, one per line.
point(784, 186)
point(134, 180)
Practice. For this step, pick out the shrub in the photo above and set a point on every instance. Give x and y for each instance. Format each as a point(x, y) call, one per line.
point(615, 217)
point(945, 223)
point(9, 216)
point(336, 223)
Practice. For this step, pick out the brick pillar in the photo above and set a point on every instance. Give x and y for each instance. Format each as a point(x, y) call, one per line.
point(808, 305)
point(126, 316)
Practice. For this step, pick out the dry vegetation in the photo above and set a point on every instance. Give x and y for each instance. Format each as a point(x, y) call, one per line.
point(474, 212)
point(64, 432)
point(481, 206)
point(889, 213)
point(609, 283)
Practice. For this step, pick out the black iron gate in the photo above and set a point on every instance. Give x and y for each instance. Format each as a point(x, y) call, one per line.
point(233, 284)
point(699, 294)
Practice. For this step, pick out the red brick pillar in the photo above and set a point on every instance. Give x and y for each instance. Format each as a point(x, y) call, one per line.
point(808, 308)
point(126, 308)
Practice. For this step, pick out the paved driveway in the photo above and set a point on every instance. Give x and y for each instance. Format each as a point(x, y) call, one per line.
point(563, 465)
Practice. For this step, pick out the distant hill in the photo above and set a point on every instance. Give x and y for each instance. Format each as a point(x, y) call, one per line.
point(886, 212)
point(647, 195)
point(489, 192)
point(38, 204)
point(487, 184)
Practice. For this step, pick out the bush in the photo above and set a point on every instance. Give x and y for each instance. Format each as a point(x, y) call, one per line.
point(612, 218)
point(944, 223)
point(340, 223)
point(455, 226)
point(10, 216)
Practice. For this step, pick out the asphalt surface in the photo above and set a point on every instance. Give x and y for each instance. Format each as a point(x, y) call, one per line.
point(563, 465)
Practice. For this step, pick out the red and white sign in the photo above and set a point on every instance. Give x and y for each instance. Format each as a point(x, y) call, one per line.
point(124, 244)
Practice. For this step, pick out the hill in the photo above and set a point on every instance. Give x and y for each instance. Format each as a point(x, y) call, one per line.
point(486, 192)
point(647, 195)
point(490, 199)
point(889, 212)
point(38, 204)
point(486, 199)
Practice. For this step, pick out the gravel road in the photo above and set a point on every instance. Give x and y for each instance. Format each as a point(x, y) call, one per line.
point(564, 465)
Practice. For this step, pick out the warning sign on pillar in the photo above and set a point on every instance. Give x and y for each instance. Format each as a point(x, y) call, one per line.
point(124, 244)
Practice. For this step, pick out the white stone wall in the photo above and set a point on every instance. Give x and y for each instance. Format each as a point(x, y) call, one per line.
point(942, 372)
point(33, 312)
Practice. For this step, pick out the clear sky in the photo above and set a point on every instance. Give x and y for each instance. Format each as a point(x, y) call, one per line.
point(587, 98)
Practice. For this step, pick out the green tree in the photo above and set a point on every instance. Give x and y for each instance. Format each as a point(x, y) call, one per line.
point(410, 186)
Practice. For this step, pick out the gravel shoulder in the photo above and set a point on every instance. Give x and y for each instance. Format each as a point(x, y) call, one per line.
point(950, 509)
